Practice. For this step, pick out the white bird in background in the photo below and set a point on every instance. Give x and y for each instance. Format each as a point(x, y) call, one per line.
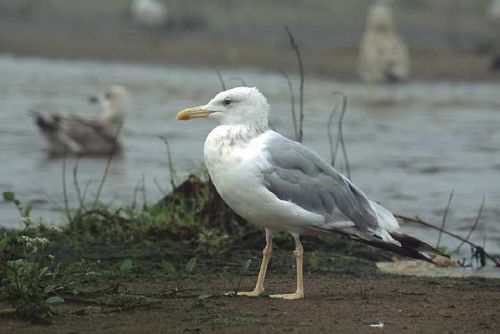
point(282, 185)
point(494, 10)
point(383, 54)
point(85, 135)
point(151, 13)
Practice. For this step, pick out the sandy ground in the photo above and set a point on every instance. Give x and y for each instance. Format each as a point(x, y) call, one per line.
point(334, 303)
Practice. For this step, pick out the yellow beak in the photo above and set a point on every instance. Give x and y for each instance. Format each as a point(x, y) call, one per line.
point(190, 113)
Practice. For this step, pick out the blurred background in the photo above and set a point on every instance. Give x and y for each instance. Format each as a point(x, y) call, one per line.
point(409, 144)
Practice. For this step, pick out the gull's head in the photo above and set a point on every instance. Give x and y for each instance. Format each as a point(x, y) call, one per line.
point(236, 106)
point(380, 16)
point(115, 102)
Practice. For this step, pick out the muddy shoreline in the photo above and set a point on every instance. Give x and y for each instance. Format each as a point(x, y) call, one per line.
point(345, 303)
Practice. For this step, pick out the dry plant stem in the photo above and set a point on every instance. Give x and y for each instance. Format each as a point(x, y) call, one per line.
point(444, 219)
point(296, 49)
point(340, 135)
point(221, 80)
point(134, 196)
point(476, 222)
point(155, 180)
point(65, 191)
point(86, 189)
point(106, 169)
point(330, 135)
point(292, 104)
point(169, 161)
point(143, 189)
point(240, 80)
point(421, 222)
point(76, 184)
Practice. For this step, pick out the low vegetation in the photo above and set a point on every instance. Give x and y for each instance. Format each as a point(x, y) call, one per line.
point(187, 233)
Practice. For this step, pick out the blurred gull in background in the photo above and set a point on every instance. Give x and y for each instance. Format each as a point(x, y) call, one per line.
point(384, 56)
point(74, 134)
point(151, 13)
point(494, 10)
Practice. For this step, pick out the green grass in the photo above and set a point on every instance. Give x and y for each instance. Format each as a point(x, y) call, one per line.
point(101, 247)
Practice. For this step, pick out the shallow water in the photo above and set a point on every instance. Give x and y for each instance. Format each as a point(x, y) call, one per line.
point(408, 146)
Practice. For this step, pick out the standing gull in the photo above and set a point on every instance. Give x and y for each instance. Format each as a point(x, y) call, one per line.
point(383, 54)
point(74, 134)
point(282, 185)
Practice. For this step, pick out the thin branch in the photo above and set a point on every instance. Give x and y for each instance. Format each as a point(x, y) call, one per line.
point(444, 219)
point(241, 81)
point(340, 135)
point(330, 135)
point(65, 191)
point(76, 184)
point(144, 199)
point(296, 49)
point(106, 169)
point(169, 161)
point(221, 80)
point(474, 246)
point(134, 195)
point(85, 189)
point(476, 222)
point(292, 104)
point(155, 180)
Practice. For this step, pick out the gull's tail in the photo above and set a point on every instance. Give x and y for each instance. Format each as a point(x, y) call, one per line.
point(387, 236)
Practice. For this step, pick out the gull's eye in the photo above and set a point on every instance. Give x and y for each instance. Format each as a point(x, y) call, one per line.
point(108, 95)
point(226, 102)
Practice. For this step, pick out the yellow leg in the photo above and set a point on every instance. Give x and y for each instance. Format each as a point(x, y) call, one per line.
point(299, 256)
point(266, 256)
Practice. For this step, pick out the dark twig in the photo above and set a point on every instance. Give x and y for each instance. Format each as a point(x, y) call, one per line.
point(163, 192)
point(296, 49)
point(134, 195)
point(476, 222)
point(474, 246)
point(85, 189)
point(443, 222)
point(65, 190)
point(169, 161)
point(76, 184)
point(340, 135)
point(292, 104)
point(143, 189)
point(221, 80)
point(106, 169)
point(330, 135)
point(241, 81)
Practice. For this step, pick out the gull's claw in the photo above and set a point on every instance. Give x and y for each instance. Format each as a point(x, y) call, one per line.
point(254, 293)
point(295, 295)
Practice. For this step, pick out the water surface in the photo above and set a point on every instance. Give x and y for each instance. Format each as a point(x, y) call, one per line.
point(408, 146)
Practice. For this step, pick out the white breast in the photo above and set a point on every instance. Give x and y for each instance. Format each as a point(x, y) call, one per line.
point(235, 169)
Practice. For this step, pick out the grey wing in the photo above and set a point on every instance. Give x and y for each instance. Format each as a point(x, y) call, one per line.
point(90, 134)
point(299, 175)
point(81, 129)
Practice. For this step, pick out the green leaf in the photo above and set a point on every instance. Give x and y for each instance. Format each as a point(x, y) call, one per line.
point(48, 289)
point(245, 266)
point(43, 271)
point(191, 265)
point(168, 268)
point(205, 295)
point(27, 210)
point(9, 196)
point(54, 300)
point(126, 265)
